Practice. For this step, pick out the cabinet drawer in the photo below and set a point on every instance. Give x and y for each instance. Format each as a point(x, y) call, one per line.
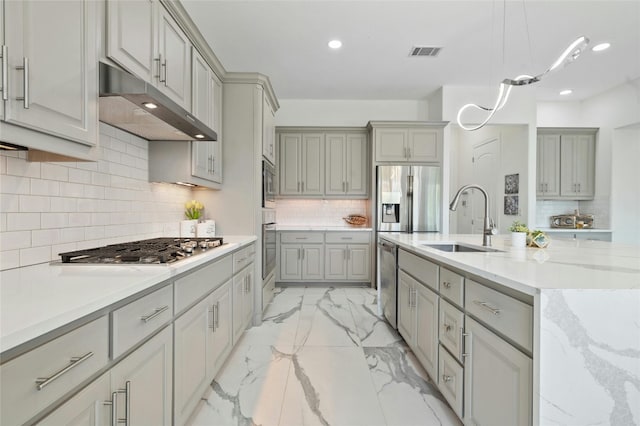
point(420, 268)
point(138, 319)
point(450, 380)
point(65, 362)
point(302, 237)
point(243, 257)
point(451, 327)
point(503, 313)
point(192, 287)
point(347, 237)
point(452, 286)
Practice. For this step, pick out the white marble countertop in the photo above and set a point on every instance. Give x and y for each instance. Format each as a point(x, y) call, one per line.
point(573, 230)
point(35, 300)
point(564, 264)
point(321, 228)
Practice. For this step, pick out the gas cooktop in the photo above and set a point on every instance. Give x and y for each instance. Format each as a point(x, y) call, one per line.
point(144, 252)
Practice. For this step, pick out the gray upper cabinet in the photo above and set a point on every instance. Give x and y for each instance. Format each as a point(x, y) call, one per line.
point(566, 164)
point(52, 70)
point(410, 142)
point(346, 165)
point(269, 129)
point(144, 39)
point(301, 164)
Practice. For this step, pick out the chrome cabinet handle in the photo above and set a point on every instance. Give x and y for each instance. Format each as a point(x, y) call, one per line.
point(164, 67)
point(446, 378)
point(127, 403)
point(25, 83)
point(159, 61)
point(5, 72)
point(213, 164)
point(302, 186)
point(298, 186)
point(346, 238)
point(114, 408)
point(408, 153)
point(217, 315)
point(487, 307)
point(346, 187)
point(446, 284)
point(579, 187)
point(42, 382)
point(463, 335)
point(155, 313)
point(212, 311)
point(301, 238)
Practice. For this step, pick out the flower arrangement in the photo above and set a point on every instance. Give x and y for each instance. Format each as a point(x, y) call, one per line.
point(518, 226)
point(193, 209)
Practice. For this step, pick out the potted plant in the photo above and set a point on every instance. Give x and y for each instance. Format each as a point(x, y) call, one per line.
point(519, 233)
point(193, 211)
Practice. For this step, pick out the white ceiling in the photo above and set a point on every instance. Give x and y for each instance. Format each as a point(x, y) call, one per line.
point(287, 41)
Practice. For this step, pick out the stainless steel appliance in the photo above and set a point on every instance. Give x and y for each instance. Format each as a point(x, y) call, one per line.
point(137, 107)
point(571, 221)
point(409, 198)
point(145, 252)
point(268, 185)
point(387, 279)
point(268, 242)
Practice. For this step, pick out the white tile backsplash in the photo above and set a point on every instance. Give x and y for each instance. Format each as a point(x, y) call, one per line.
point(49, 208)
point(599, 207)
point(318, 212)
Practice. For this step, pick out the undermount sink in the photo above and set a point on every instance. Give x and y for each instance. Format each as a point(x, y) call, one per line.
point(458, 247)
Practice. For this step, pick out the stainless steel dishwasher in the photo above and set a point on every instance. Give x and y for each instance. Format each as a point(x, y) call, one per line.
point(387, 277)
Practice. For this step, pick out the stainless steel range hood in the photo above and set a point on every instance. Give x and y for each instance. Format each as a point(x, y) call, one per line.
point(137, 107)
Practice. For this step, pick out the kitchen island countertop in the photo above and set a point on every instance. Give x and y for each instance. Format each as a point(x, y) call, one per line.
point(38, 299)
point(321, 228)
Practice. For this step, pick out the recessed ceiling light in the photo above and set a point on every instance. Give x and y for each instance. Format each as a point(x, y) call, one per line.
point(150, 105)
point(566, 92)
point(335, 44)
point(200, 136)
point(600, 47)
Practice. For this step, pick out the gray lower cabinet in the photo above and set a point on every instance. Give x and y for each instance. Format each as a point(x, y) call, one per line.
point(317, 256)
point(497, 380)
point(475, 341)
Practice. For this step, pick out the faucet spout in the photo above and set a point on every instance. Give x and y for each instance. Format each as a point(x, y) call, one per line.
point(489, 229)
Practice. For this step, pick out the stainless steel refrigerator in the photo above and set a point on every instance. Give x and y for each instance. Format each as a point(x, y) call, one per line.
point(409, 199)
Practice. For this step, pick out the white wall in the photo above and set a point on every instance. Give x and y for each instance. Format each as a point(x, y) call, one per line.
point(49, 208)
point(625, 196)
point(353, 113)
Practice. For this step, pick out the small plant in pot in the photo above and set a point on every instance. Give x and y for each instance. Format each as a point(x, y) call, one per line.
point(519, 233)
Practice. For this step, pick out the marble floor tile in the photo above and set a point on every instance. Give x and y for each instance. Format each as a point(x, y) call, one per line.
point(313, 295)
point(405, 392)
point(249, 389)
point(330, 386)
point(326, 323)
point(371, 327)
point(279, 323)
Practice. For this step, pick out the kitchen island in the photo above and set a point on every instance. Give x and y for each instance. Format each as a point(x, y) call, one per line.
point(585, 297)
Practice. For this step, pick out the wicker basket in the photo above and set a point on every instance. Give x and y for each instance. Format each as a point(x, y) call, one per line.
point(355, 219)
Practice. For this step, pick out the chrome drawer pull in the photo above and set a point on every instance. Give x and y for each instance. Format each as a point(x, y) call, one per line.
point(446, 378)
point(5, 71)
point(487, 307)
point(155, 313)
point(212, 311)
point(465, 354)
point(446, 284)
point(74, 362)
point(217, 316)
point(25, 83)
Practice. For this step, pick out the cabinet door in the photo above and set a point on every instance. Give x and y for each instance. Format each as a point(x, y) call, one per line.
point(290, 163)
point(335, 165)
point(53, 67)
point(216, 124)
point(175, 60)
point(356, 165)
point(406, 312)
point(201, 159)
point(312, 262)
point(312, 182)
point(335, 261)
point(131, 40)
point(3, 89)
point(497, 380)
point(268, 129)
point(149, 370)
point(584, 166)
point(548, 166)
point(427, 329)
point(422, 146)
point(85, 408)
point(290, 263)
point(221, 339)
point(390, 144)
point(192, 332)
point(359, 265)
point(239, 290)
point(201, 94)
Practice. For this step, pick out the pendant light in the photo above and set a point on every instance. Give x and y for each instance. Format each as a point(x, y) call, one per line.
point(570, 54)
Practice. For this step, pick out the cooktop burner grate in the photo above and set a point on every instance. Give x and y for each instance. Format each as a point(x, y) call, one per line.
point(144, 252)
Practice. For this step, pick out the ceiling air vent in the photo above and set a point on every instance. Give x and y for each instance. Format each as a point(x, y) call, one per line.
point(425, 51)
